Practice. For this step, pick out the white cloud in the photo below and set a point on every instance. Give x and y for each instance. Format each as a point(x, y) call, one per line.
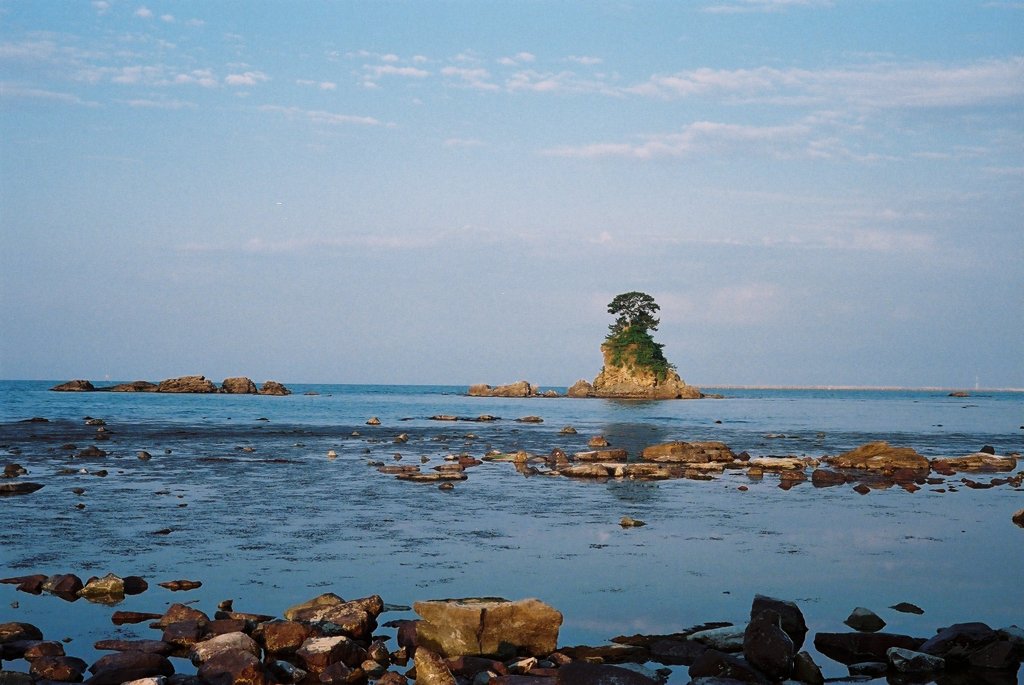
point(249, 78)
point(470, 77)
point(144, 13)
point(699, 136)
point(585, 60)
point(378, 70)
point(322, 85)
point(320, 116)
point(101, 6)
point(160, 104)
point(199, 77)
point(167, 18)
point(195, 22)
point(13, 90)
point(517, 59)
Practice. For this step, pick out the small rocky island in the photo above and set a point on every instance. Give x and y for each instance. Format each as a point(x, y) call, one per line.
point(634, 368)
point(239, 385)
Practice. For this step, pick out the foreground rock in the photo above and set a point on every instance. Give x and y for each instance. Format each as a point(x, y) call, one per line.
point(488, 627)
point(688, 452)
point(882, 457)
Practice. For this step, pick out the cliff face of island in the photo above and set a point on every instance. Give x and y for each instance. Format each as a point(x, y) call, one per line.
point(625, 376)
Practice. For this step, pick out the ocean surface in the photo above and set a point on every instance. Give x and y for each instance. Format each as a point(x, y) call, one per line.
point(259, 514)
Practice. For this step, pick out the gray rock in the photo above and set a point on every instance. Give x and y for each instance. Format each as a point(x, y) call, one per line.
point(909, 661)
point(726, 639)
point(864, 620)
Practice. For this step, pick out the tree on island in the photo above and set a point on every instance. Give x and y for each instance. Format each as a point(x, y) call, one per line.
point(629, 340)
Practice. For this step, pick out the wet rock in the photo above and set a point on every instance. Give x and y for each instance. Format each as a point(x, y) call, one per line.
point(487, 627)
point(880, 456)
point(342, 674)
point(74, 386)
point(724, 639)
point(602, 455)
point(122, 617)
point(806, 671)
point(1018, 518)
point(630, 522)
point(864, 620)
point(584, 471)
point(767, 647)
point(823, 478)
point(530, 419)
point(109, 586)
point(583, 673)
point(715, 664)
point(283, 637)
point(853, 648)
point(317, 653)
point(869, 669)
point(959, 641)
point(688, 452)
point(65, 669)
point(187, 384)
point(65, 584)
point(203, 651)
point(40, 648)
point(908, 661)
point(608, 654)
point(676, 652)
point(181, 585)
point(373, 421)
point(597, 442)
point(907, 608)
point(14, 470)
point(778, 463)
point(979, 461)
point(238, 385)
point(18, 488)
point(568, 430)
point(184, 633)
point(235, 667)
point(147, 646)
point(120, 667)
point(30, 584)
point(143, 455)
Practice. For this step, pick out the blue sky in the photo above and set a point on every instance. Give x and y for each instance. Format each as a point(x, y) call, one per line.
point(814, 191)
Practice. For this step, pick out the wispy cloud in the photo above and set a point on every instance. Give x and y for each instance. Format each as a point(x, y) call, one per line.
point(463, 142)
point(318, 116)
point(321, 85)
point(469, 77)
point(144, 13)
point(143, 103)
point(17, 91)
point(248, 78)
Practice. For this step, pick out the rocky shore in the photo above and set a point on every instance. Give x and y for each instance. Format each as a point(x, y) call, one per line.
point(480, 641)
point(239, 385)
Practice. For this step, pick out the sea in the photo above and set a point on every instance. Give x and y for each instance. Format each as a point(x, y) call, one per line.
point(240, 494)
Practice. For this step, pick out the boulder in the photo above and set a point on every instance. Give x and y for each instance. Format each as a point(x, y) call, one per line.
point(676, 652)
point(238, 385)
point(806, 671)
point(109, 586)
point(854, 648)
point(864, 620)
point(517, 389)
point(909, 661)
point(767, 647)
point(121, 667)
point(823, 478)
point(487, 627)
point(723, 639)
point(778, 463)
point(202, 652)
point(978, 461)
point(66, 669)
point(880, 456)
point(585, 471)
point(64, 584)
point(1018, 518)
point(688, 452)
point(282, 637)
point(235, 667)
point(40, 648)
point(274, 388)
point(74, 386)
point(187, 384)
point(356, 619)
point(959, 641)
point(580, 388)
point(317, 653)
point(602, 455)
point(715, 664)
point(431, 669)
point(19, 488)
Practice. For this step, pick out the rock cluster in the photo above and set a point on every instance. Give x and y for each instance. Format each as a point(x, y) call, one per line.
point(239, 385)
point(493, 641)
point(517, 389)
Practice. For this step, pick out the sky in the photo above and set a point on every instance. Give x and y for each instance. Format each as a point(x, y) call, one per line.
point(815, 192)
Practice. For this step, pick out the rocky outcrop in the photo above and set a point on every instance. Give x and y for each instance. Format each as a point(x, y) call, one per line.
point(680, 452)
point(628, 380)
point(517, 389)
point(189, 384)
point(238, 385)
point(487, 627)
point(581, 388)
point(74, 386)
point(880, 456)
point(135, 386)
point(274, 388)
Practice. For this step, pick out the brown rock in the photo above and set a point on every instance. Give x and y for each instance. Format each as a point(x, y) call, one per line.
point(223, 626)
point(602, 455)
point(187, 384)
point(283, 637)
point(121, 617)
point(978, 461)
point(597, 441)
point(135, 386)
point(792, 619)
point(585, 471)
point(41, 648)
point(517, 389)
point(184, 633)
point(880, 456)
point(181, 585)
point(676, 652)
point(121, 667)
point(688, 452)
point(66, 669)
point(67, 584)
point(19, 488)
point(342, 674)
point(274, 388)
point(431, 669)
point(74, 386)
point(392, 678)
point(715, 664)
point(235, 667)
point(630, 381)
point(148, 646)
point(317, 653)
point(15, 631)
point(529, 419)
point(1018, 518)
point(823, 478)
point(487, 627)
point(853, 648)
point(202, 652)
point(580, 388)
point(238, 385)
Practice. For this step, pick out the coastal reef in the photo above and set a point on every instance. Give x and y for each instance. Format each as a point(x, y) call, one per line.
point(239, 385)
point(483, 641)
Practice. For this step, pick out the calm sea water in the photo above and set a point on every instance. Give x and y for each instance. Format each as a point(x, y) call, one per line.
point(260, 515)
